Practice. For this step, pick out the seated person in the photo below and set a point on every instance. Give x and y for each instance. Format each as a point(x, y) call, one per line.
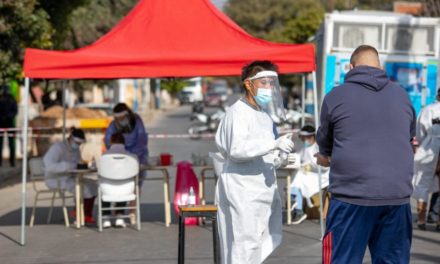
point(62, 157)
point(132, 127)
point(135, 137)
point(436, 205)
point(306, 181)
point(117, 146)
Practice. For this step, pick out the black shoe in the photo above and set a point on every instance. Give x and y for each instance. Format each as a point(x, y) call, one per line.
point(299, 218)
point(437, 228)
point(421, 226)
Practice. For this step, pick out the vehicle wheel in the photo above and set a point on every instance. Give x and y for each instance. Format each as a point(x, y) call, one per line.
point(194, 132)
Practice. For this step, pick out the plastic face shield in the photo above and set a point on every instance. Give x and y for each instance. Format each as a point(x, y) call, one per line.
point(268, 80)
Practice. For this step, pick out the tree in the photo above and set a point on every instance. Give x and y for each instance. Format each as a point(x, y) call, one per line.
point(306, 22)
point(52, 24)
point(289, 21)
point(91, 21)
point(173, 86)
point(60, 12)
point(22, 24)
point(275, 20)
point(431, 8)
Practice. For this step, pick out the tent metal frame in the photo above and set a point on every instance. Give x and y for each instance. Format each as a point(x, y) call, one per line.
point(24, 134)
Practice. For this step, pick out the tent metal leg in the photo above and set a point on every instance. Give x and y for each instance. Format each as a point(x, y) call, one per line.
point(24, 163)
point(315, 103)
point(64, 108)
point(303, 99)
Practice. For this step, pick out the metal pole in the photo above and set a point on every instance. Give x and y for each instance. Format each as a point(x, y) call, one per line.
point(303, 99)
point(24, 134)
point(315, 104)
point(63, 86)
point(157, 94)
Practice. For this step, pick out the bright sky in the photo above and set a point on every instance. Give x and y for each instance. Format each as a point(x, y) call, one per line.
point(219, 3)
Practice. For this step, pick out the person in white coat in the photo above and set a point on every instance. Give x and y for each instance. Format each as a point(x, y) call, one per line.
point(426, 156)
point(306, 181)
point(249, 204)
point(62, 157)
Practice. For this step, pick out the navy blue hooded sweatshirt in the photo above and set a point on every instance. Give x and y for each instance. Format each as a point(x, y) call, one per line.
point(367, 124)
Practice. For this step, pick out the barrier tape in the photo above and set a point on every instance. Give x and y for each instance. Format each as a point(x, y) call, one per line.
point(17, 133)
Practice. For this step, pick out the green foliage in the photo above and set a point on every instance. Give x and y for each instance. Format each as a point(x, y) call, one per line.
point(91, 21)
point(306, 22)
point(292, 21)
point(22, 24)
point(52, 24)
point(60, 12)
point(173, 85)
point(289, 21)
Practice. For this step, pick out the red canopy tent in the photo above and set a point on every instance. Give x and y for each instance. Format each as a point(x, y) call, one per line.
point(168, 38)
point(163, 38)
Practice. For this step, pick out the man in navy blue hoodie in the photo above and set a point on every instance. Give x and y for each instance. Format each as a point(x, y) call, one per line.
point(367, 125)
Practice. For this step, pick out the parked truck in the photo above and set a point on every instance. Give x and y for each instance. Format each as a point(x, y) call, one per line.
point(408, 48)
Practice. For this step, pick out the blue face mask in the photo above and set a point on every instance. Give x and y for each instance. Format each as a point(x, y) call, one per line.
point(124, 122)
point(263, 97)
point(74, 146)
point(307, 144)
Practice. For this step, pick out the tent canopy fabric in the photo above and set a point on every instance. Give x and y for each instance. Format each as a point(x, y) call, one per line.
point(164, 38)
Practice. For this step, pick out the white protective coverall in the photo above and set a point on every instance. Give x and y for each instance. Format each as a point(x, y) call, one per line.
point(426, 156)
point(59, 159)
point(307, 178)
point(249, 204)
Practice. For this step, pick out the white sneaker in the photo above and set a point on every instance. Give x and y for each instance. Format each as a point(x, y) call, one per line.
point(120, 223)
point(106, 224)
point(299, 219)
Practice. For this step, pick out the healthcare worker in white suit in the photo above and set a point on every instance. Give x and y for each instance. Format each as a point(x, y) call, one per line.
point(425, 158)
point(62, 157)
point(249, 204)
point(305, 184)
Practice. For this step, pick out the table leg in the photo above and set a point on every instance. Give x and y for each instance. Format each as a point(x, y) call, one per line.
point(81, 191)
point(166, 193)
point(288, 199)
point(215, 240)
point(181, 256)
point(77, 202)
point(201, 220)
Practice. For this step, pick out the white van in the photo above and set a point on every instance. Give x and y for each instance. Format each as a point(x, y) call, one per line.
point(192, 92)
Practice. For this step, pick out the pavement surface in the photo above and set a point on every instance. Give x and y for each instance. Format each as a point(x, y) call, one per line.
point(155, 243)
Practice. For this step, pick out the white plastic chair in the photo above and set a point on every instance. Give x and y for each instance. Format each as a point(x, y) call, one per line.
point(118, 182)
point(36, 169)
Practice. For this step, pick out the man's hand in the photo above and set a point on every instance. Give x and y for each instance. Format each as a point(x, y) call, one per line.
point(322, 160)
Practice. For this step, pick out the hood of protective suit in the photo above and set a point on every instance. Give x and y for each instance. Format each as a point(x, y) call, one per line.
point(368, 77)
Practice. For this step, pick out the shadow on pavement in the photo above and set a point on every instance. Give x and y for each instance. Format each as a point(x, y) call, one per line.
point(425, 257)
point(153, 212)
point(427, 239)
point(9, 238)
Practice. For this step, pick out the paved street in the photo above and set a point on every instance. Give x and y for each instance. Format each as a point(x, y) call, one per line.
point(155, 243)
